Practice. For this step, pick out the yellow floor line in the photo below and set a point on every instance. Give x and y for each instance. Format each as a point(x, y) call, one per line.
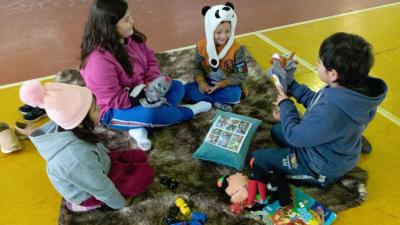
point(313, 68)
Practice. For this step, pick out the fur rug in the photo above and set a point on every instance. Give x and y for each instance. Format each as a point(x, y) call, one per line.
point(172, 156)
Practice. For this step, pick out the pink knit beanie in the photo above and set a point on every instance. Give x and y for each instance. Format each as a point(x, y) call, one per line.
point(67, 105)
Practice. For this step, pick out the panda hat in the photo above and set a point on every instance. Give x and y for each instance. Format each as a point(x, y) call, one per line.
point(213, 16)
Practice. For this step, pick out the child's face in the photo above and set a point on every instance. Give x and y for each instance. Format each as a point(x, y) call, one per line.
point(125, 25)
point(329, 77)
point(222, 33)
point(323, 72)
point(94, 112)
point(236, 188)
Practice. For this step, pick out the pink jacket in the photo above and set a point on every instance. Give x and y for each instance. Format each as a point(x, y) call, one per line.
point(106, 78)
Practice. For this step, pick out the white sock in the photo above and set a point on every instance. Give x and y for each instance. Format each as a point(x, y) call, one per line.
point(199, 107)
point(140, 136)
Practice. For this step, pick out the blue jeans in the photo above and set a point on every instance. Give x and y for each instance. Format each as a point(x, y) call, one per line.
point(285, 159)
point(139, 116)
point(227, 95)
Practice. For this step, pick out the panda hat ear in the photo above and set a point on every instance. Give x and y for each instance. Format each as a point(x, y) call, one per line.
point(230, 5)
point(205, 9)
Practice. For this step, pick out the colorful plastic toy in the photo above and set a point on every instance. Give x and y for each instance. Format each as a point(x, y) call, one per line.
point(169, 182)
point(197, 219)
point(183, 207)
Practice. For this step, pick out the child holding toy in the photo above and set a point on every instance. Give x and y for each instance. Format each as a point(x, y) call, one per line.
point(326, 143)
point(220, 62)
point(116, 64)
point(82, 170)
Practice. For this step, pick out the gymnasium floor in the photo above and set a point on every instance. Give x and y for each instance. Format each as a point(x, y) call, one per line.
point(27, 197)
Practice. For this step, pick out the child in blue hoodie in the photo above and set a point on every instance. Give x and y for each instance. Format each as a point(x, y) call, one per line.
point(326, 143)
point(81, 169)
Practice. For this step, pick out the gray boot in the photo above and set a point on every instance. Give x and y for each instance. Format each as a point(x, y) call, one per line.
point(223, 107)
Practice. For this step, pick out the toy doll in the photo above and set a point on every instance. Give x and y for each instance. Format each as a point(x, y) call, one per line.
point(152, 94)
point(282, 70)
point(282, 74)
point(243, 189)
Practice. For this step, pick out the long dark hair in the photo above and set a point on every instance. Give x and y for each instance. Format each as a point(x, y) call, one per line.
point(85, 131)
point(101, 32)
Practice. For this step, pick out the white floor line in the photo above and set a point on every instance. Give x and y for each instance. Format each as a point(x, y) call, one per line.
point(179, 49)
point(251, 33)
point(313, 68)
point(285, 51)
point(389, 116)
point(331, 17)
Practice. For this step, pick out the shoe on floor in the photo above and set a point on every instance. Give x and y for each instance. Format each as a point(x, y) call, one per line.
point(25, 109)
point(223, 107)
point(8, 140)
point(23, 130)
point(80, 208)
point(35, 115)
point(366, 146)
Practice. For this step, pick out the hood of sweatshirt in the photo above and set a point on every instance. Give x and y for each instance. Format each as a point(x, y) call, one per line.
point(49, 141)
point(359, 103)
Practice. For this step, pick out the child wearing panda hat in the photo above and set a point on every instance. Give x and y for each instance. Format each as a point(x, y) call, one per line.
point(220, 63)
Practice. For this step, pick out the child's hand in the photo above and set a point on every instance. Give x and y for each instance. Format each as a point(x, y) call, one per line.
point(281, 94)
point(204, 87)
point(217, 85)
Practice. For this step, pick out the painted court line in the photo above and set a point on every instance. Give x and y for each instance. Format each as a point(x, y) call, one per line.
point(259, 34)
point(20, 83)
point(331, 17)
point(247, 34)
point(313, 68)
point(389, 116)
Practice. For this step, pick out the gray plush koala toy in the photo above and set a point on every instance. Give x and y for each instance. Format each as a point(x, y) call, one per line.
point(155, 92)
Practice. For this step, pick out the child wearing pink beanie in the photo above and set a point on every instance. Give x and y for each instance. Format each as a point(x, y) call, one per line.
point(81, 169)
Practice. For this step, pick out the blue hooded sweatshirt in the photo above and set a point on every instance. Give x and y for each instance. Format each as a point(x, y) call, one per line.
point(328, 138)
point(77, 169)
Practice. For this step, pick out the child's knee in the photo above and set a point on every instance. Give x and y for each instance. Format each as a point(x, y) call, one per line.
point(177, 86)
point(276, 130)
point(190, 89)
point(255, 156)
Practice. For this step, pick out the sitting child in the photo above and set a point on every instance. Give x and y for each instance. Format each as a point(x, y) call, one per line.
point(82, 170)
point(326, 143)
point(220, 62)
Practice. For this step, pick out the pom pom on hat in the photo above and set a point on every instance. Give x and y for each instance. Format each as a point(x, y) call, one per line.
point(32, 93)
point(66, 105)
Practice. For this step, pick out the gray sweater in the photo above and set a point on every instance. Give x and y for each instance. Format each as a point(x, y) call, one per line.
point(76, 168)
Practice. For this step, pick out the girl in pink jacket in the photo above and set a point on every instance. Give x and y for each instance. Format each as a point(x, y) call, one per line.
point(114, 60)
